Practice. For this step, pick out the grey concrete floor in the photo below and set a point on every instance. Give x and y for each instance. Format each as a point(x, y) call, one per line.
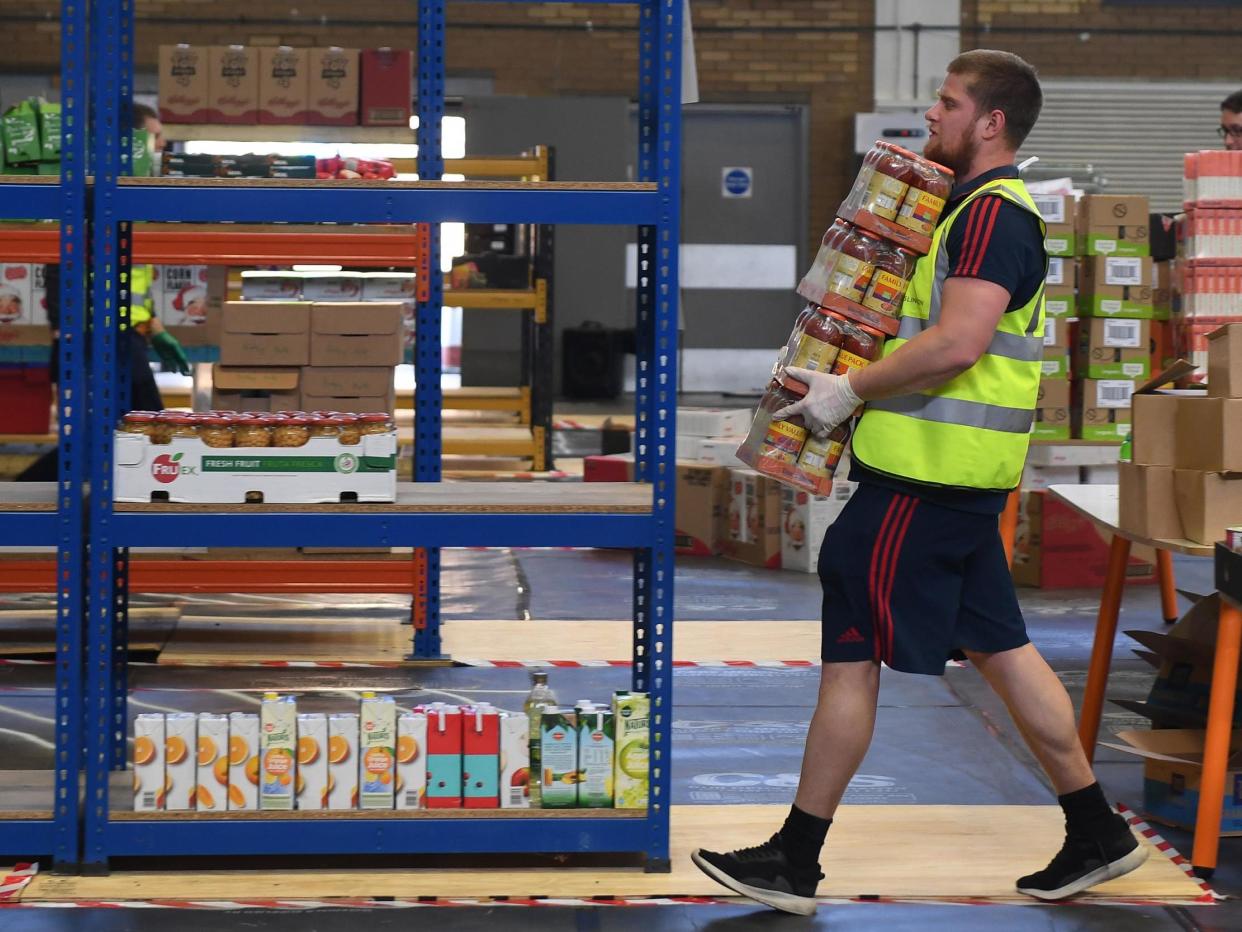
point(938, 740)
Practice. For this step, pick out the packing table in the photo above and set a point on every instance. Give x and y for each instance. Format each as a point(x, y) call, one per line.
point(1098, 503)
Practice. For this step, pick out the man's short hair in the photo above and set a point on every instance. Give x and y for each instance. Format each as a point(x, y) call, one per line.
point(1002, 81)
point(142, 113)
point(1232, 103)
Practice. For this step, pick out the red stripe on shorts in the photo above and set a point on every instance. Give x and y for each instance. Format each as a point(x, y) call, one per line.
point(899, 539)
point(873, 588)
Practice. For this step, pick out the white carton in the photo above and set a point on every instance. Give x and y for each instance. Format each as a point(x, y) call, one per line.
point(16, 294)
point(805, 519)
point(714, 422)
point(38, 295)
point(411, 760)
point(278, 738)
point(180, 747)
point(271, 286)
point(179, 295)
point(312, 781)
point(212, 792)
point(389, 286)
point(332, 286)
point(720, 451)
point(322, 470)
point(514, 760)
point(377, 739)
point(150, 779)
point(243, 761)
point(343, 760)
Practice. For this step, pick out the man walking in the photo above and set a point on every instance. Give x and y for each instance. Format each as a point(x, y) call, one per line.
point(914, 567)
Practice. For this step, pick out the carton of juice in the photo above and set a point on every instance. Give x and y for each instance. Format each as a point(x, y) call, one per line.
point(149, 773)
point(559, 758)
point(278, 737)
point(343, 760)
point(212, 792)
point(631, 724)
point(595, 757)
point(444, 789)
point(243, 761)
point(377, 740)
point(514, 760)
point(411, 760)
point(480, 757)
point(180, 745)
point(312, 779)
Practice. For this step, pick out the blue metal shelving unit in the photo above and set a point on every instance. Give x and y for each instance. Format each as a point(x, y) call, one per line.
point(62, 523)
point(652, 205)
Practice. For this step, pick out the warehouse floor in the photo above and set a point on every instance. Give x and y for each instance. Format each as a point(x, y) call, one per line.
point(939, 740)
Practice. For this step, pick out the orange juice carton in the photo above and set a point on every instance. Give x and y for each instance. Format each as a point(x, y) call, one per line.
point(443, 756)
point(343, 760)
point(514, 760)
point(149, 774)
point(180, 745)
point(243, 761)
point(212, 792)
point(480, 757)
point(278, 736)
point(312, 779)
point(411, 760)
point(377, 740)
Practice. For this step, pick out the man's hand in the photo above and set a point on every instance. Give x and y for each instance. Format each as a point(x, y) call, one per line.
point(170, 352)
point(828, 403)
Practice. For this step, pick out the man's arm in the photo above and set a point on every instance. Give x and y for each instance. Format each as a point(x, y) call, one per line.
point(971, 308)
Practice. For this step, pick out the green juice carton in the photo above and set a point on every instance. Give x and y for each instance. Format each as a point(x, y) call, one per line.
point(558, 745)
point(20, 128)
point(278, 742)
point(632, 734)
point(596, 746)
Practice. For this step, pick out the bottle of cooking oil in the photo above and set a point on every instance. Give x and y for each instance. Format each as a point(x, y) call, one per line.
point(541, 697)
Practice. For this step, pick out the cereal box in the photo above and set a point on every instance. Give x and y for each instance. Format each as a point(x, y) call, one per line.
point(411, 760)
point(480, 762)
point(312, 779)
point(343, 760)
point(278, 729)
point(243, 761)
point(514, 760)
point(212, 792)
point(631, 721)
point(180, 746)
point(377, 739)
point(149, 775)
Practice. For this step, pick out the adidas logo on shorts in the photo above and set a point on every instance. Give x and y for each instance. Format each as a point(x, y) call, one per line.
point(851, 636)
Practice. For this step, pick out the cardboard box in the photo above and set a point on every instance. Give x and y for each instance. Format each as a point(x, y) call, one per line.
point(702, 502)
point(1056, 334)
point(284, 87)
point(1055, 208)
point(1173, 773)
point(188, 300)
point(754, 519)
point(233, 84)
point(1162, 286)
point(184, 83)
point(1208, 503)
point(1209, 434)
point(1225, 362)
point(1146, 502)
point(1052, 410)
point(1115, 287)
point(347, 383)
point(333, 87)
point(1102, 409)
point(1062, 277)
point(1057, 548)
point(1056, 363)
point(389, 286)
point(387, 89)
point(17, 307)
point(257, 388)
point(271, 286)
point(332, 286)
point(805, 520)
point(719, 451)
point(1113, 225)
point(714, 422)
point(1154, 420)
point(265, 333)
point(356, 334)
point(1110, 348)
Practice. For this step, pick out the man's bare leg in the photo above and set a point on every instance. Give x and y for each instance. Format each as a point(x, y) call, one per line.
point(839, 734)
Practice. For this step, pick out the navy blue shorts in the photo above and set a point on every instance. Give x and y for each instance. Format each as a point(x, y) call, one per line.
point(907, 582)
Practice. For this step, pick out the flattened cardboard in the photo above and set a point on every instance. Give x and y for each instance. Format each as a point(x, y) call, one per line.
point(1208, 502)
point(1147, 505)
point(1209, 434)
point(1225, 362)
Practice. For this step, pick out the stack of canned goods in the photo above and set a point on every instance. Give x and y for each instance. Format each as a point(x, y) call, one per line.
point(222, 429)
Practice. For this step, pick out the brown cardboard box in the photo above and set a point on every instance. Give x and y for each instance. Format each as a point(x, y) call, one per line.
point(1113, 225)
point(333, 87)
point(1225, 362)
point(183, 83)
point(1062, 276)
point(178, 307)
point(1115, 286)
point(1056, 335)
point(240, 388)
point(1209, 434)
point(754, 519)
point(1052, 410)
point(1102, 408)
point(347, 382)
point(355, 404)
point(1162, 286)
point(1208, 502)
point(1154, 419)
point(283, 85)
point(1110, 348)
point(265, 333)
point(1147, 505)
point(702, 502)
point(233, 84)
point(356, 334)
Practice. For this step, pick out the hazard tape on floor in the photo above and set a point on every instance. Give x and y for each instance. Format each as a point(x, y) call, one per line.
point(1166, 848)
point(16, 880)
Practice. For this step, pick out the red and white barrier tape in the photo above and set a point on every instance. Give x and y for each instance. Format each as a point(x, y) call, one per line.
point(1164, 847)
point(15, 881)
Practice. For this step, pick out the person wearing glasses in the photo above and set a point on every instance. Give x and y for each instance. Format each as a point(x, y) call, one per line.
point(1231, 121)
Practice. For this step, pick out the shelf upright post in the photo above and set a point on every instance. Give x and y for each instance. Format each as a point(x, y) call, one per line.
point(429, 396)
point(73, 441)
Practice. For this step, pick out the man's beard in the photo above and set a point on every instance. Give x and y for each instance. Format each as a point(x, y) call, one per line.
point(958, 157)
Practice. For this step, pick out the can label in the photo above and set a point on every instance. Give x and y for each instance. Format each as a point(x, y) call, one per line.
point(815, 354)
point(847, 360)
point(884, 196)
point(783, 441)
point(820, 457)
point(920, 211)
point(850, 277)
point(885, 293)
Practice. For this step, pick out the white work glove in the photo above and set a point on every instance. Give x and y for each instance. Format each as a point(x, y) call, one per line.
point(829, 401)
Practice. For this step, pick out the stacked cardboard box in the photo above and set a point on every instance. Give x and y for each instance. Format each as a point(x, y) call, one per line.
point(188, 300)
point(1052, 414)
point(263, 347)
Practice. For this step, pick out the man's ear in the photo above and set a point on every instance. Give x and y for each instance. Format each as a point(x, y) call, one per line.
point(994, 126)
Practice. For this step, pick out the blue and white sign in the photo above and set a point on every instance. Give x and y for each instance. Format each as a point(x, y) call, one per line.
point(737, 181)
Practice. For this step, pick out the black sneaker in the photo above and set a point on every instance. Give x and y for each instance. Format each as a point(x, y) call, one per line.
point(764, 874)
point(1084, 862)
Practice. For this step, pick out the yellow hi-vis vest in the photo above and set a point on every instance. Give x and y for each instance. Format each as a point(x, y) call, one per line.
point(141, 302)
point(971, 432)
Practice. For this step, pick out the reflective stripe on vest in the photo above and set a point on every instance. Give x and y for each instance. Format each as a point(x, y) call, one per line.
point(972, 431)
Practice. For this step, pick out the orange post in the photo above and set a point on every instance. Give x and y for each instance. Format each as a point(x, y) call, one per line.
point(1102, 648)
point(1168, 586)
point(1009, 523)
point(1219, 733)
